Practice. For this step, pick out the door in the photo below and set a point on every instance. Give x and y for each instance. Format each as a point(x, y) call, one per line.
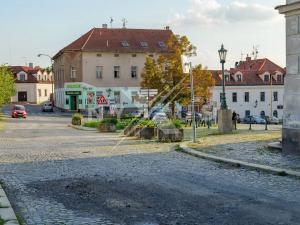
point(22, 96)
point(73, 103)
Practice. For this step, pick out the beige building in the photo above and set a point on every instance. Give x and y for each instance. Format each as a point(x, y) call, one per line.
point(33, 85)
point(108, 63)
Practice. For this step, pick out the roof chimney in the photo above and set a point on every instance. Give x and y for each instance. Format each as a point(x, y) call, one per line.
point(104, 25)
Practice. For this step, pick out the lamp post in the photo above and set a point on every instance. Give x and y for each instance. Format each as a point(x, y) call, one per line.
point(222, 55)
point(52, 79)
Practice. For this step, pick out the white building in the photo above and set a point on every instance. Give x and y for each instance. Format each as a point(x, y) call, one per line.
point(253, 87)
point(106, 63)
point(33, 85)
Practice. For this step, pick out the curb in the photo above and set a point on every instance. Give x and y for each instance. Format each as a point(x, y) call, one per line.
point(6, 211)
point(82, 128)
point(239, 163)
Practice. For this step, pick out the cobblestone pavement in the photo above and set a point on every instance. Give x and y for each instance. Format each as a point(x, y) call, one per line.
point(57, 175)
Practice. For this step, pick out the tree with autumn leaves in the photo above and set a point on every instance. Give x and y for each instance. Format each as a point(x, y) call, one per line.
point(167, 76)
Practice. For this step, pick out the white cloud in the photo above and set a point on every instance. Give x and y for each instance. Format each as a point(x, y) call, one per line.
point(207, 12)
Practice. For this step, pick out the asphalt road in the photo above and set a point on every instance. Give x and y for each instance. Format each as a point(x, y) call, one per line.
point(57, 175)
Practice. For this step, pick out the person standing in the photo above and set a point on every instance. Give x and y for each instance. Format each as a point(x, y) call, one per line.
point(234, 119)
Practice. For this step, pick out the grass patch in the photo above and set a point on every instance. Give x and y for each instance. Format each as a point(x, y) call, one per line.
point(178, 148)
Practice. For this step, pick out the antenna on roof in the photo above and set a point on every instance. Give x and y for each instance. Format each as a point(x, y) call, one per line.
point(255, 51)
point(111, 22)
point(124, 22)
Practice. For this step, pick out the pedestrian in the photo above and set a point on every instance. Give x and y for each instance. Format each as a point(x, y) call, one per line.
point(234, 118)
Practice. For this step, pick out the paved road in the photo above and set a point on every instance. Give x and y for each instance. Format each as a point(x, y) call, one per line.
point(56, 175)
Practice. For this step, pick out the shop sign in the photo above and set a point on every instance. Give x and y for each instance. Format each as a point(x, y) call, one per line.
point(73, 92)
point(73, 86)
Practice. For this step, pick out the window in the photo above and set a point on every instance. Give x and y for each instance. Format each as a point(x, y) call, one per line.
point(221, 94)
point(46, 94)
point(275, 96)
point(275, 113)
point(234, 97)
point(73, 72)
point(227, 78)
point(22, 77)
point(134, 94)
point(117, 96)
point(247, 97)
point(99, 71)
point(40, 92)
point(262, 96)
point(161, 44)
point(144, 44)
point(279, 78)
point(99, 55)
point(116, 55)
point(247, 113)
point(116, 71)
point(239, 77)
point(134, 72)
point(266, 78)
point(262, 114)
point(125, 44)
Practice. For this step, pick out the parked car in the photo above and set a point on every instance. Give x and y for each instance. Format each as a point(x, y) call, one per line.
point(272, 120)
point(254, 120)
point(47, 107)
point(159, 117)
point(18, 111)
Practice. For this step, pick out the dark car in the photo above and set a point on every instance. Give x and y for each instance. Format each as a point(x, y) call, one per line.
point(254, 120)
point(18, 111)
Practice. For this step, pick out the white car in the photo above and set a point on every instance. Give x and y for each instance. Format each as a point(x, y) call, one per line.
point(47, 107)
point(159, 117)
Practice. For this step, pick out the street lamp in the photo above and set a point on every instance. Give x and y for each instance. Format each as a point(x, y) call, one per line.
point(222, 55)
point(51, 70)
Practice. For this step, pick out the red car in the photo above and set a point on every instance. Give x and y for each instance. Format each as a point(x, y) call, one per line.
point(18, 111)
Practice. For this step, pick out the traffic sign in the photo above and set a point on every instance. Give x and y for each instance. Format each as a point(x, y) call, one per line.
point(101, 100)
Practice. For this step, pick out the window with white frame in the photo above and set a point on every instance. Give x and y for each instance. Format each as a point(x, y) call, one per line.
point(73, 72)
point(134, 72)
point(46, 93)
point(116, 72)
point(99, 72)
point(239, 77)
point(266, 78)
point(227, 77)
point(40, 92)
point(22, 77)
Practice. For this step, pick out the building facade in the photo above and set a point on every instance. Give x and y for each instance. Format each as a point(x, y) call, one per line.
point(33, 85)
point(253, 87)
point(291, 123)
point(105, 63)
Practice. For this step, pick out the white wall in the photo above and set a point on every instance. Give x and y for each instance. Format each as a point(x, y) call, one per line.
point(43, 97)
point(254, 92)
point(25, 87)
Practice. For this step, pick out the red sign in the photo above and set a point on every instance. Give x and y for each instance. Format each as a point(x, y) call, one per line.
point(101, 100)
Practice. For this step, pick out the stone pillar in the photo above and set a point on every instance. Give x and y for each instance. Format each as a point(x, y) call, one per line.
point(225, 120)
point(291, 118)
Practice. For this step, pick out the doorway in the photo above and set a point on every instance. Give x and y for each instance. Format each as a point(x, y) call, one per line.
point(22, 96)
point(73, 103)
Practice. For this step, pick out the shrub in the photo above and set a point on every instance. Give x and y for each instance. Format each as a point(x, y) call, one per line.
point(109, 121)
point(92, 123)
point(145, 123)
point(171, 124)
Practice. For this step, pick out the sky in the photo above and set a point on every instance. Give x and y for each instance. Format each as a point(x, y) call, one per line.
point(45, 26)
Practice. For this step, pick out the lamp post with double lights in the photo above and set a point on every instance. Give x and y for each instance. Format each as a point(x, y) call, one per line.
point(52, 78)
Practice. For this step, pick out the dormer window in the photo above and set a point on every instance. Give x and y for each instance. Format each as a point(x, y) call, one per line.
point(266, 78)
point(22, 77)
point(144, 44)
point(161, 44)
point(239, 78)
point(125, 44)
point(227, 78)
point(279, 78)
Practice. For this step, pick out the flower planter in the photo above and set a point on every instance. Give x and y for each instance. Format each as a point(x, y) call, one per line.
point(137, 132)
point(106, 128)
point(170, 135)
point(129, 131)
point(77, 122)
point(147, 133)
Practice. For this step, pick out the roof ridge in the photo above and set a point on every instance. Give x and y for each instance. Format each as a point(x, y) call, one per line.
point(264, 63)
point(88, 38)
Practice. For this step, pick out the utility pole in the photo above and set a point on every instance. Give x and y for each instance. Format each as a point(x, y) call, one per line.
point(193, 103)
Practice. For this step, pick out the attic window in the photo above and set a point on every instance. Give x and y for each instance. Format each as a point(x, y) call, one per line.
point(279, 78)
point(266, 78)
point(144, 44)
point(239, 77)
point(227, 78)
point(125, 44)
point(161, 44)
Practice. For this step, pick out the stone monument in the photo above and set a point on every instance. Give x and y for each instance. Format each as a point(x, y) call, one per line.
point(291, 118)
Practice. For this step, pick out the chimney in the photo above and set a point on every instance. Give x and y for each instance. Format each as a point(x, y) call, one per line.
point(248, 58)
point(104, 25)
point(30, 65)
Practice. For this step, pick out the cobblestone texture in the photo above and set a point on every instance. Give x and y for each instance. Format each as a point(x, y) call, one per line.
point(41, 157)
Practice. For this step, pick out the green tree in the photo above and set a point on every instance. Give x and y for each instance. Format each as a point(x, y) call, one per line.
point(7, 85)
point(166, 74)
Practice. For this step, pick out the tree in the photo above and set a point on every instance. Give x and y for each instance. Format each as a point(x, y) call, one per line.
point(7, 85)
point(166, 74)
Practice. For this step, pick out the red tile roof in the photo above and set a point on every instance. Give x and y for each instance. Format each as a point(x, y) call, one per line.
point(251, 69)
point(30, 72)
point(110, 40)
